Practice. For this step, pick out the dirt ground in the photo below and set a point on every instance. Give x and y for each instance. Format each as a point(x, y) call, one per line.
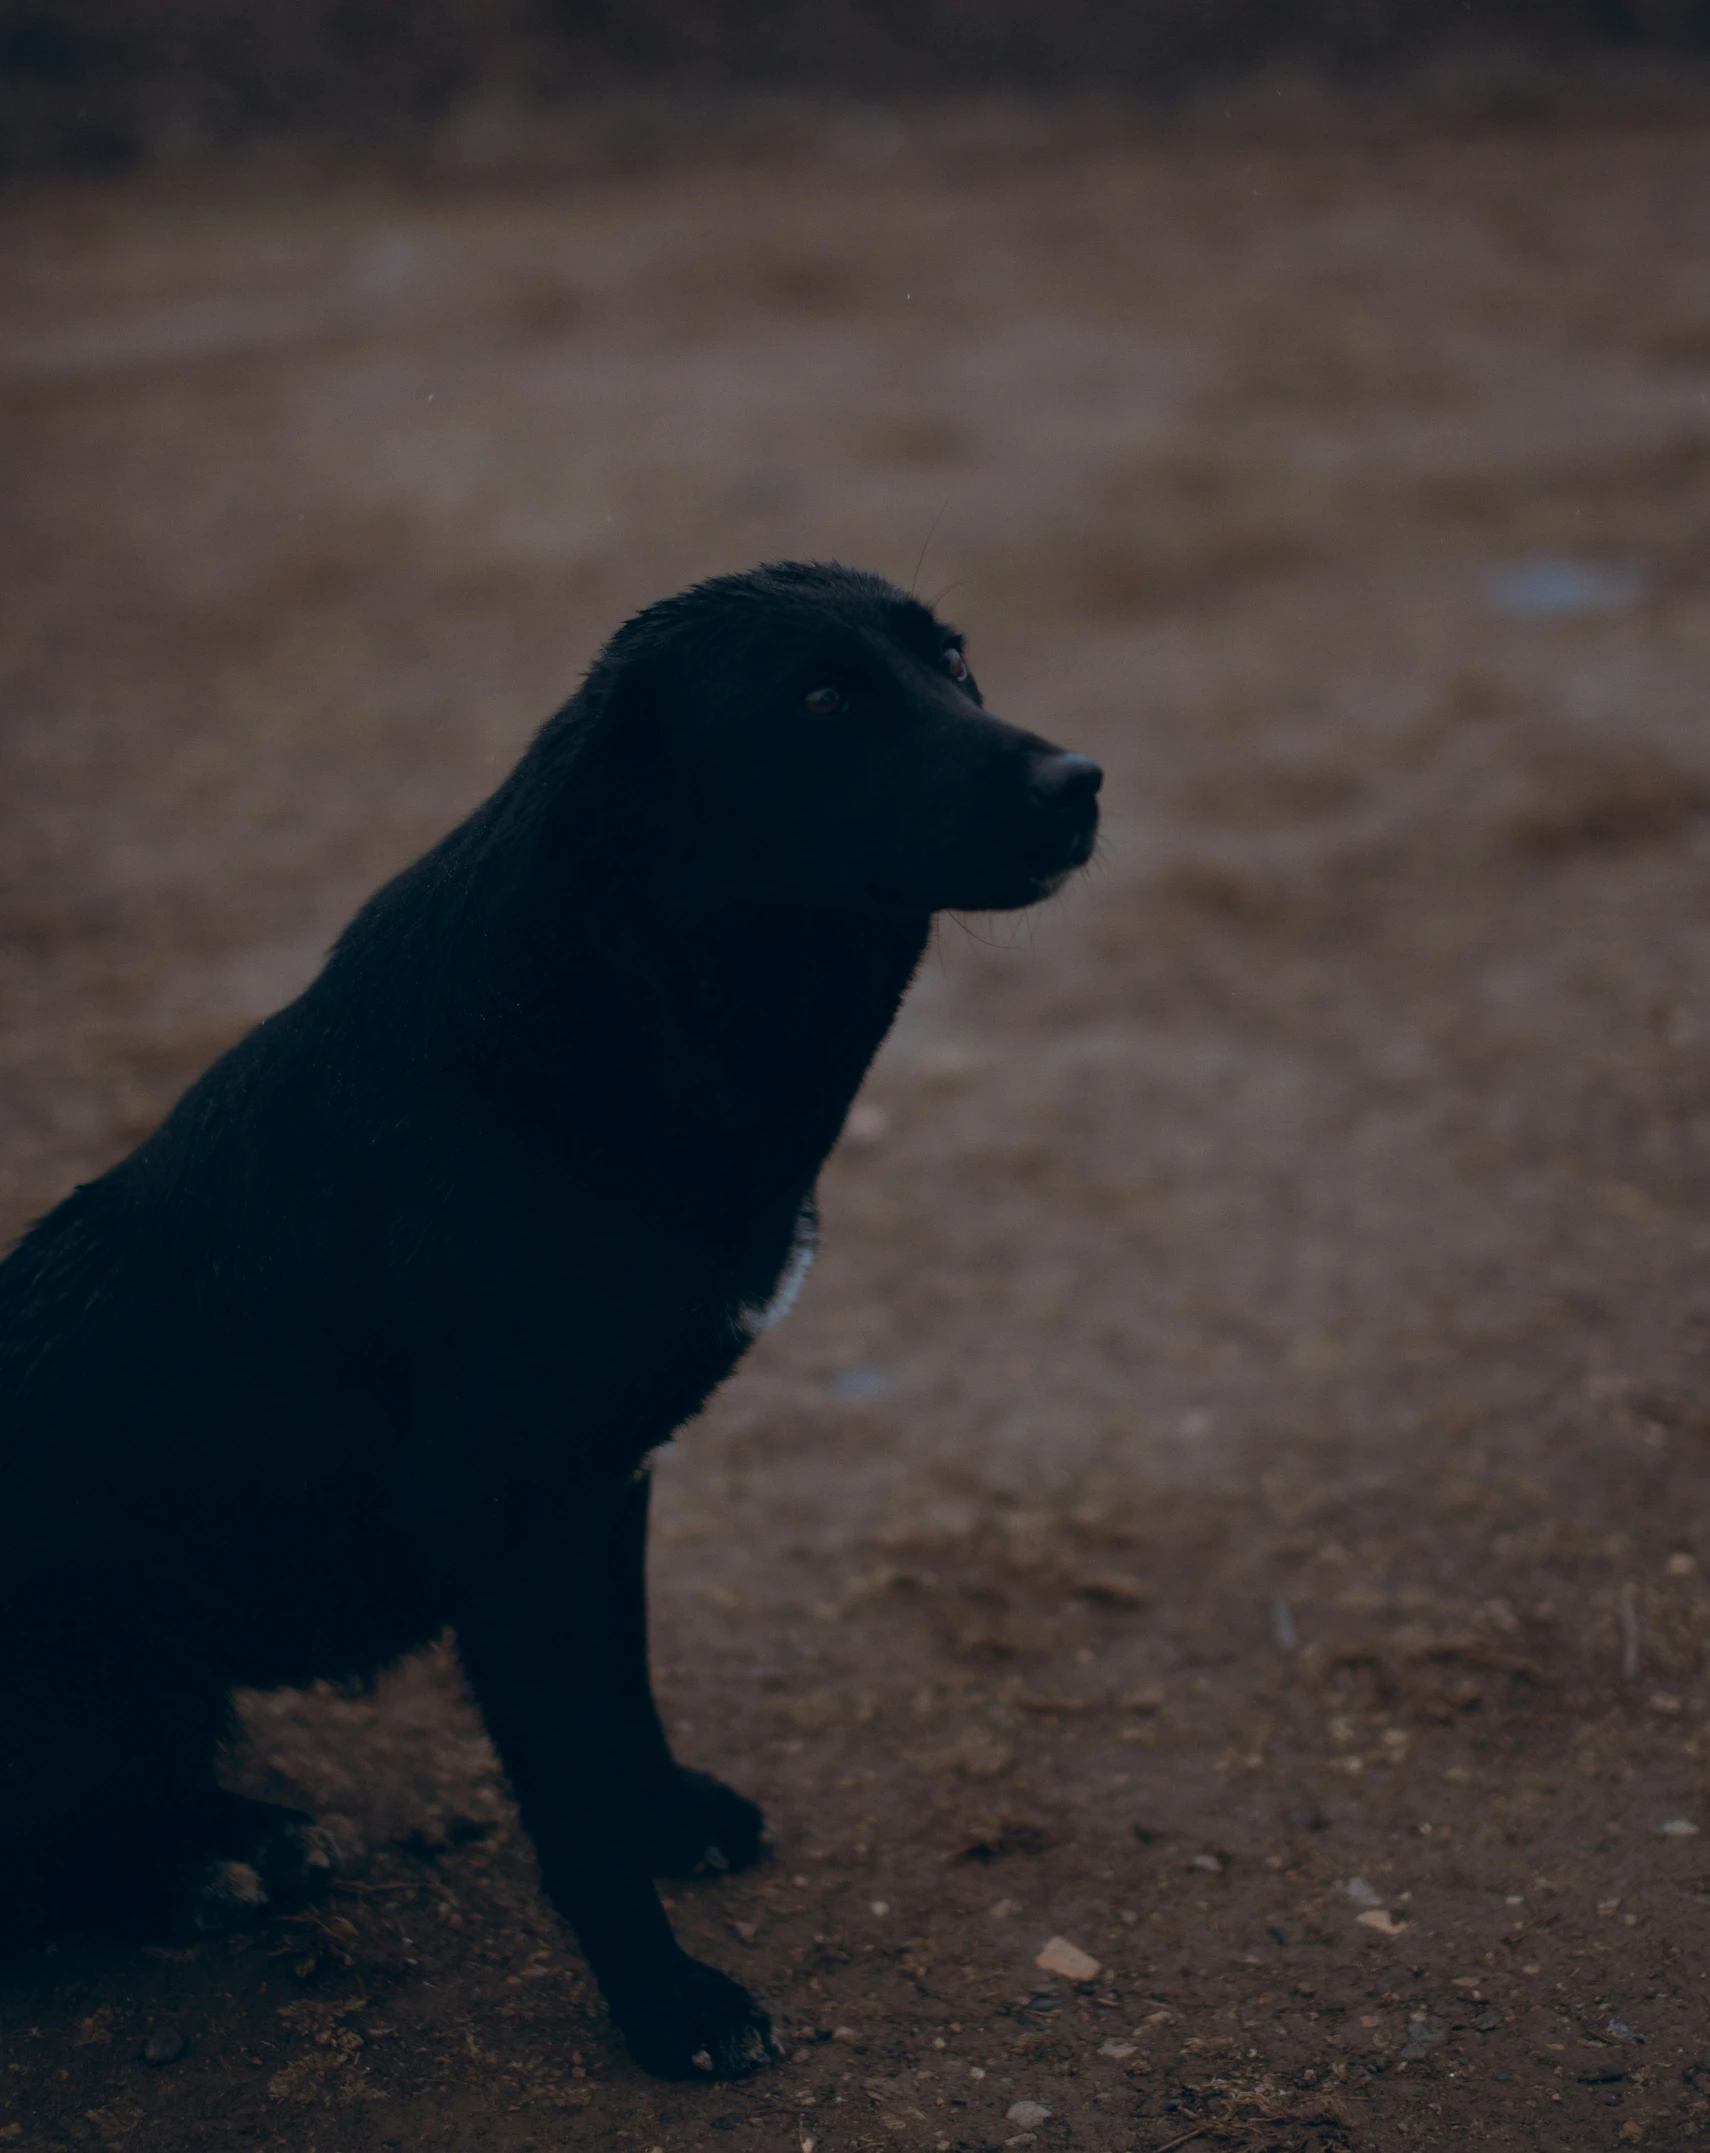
point(1233, 1494)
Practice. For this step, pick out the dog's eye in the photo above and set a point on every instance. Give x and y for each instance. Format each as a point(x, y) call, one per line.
point(955, 664)
point(823, 702)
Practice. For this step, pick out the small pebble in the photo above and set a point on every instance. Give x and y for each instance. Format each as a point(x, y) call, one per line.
point(164, 2045)
point(1549, 589)
point(860, 1383)
point(868, 1123)
point(1679, 1828)
point(1061, 1957)
point(1028, 2115)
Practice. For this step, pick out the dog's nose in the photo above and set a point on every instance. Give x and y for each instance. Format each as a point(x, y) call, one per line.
point(1064, 780)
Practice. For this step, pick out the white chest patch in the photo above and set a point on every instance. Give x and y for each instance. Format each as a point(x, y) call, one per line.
point(755, 1318)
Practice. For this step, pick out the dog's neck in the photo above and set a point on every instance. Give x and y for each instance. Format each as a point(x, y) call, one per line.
point(584, 994)
point(761, 1027)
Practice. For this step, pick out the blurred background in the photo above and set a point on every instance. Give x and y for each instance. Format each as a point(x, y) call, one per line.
point(104, 82)
point(96, 82)
point(1246, 1436)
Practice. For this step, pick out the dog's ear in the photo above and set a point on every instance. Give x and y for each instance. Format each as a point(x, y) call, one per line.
point(610, 719)
point(625, 737)
point(592, 776)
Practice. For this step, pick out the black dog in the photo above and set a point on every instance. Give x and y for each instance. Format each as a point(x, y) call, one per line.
point(377, 1331)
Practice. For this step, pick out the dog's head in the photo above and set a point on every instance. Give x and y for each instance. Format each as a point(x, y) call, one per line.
point(809, 735)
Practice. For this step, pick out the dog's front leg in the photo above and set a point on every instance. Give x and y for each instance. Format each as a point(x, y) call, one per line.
point(692, 1822)
point(537, 1641)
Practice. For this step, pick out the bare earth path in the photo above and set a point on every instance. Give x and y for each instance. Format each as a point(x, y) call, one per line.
point(1233, 1493)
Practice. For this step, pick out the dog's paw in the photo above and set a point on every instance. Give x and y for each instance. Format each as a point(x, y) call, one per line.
point(223, 1896)
point(293, 1855)
point(297, 1860)
point(701, 1827)
point(700, 2024)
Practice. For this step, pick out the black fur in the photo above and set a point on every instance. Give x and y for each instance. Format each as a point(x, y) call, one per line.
point(376, 1332)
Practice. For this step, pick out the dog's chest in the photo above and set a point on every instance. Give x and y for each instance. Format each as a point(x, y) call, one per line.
point(757, 1315)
